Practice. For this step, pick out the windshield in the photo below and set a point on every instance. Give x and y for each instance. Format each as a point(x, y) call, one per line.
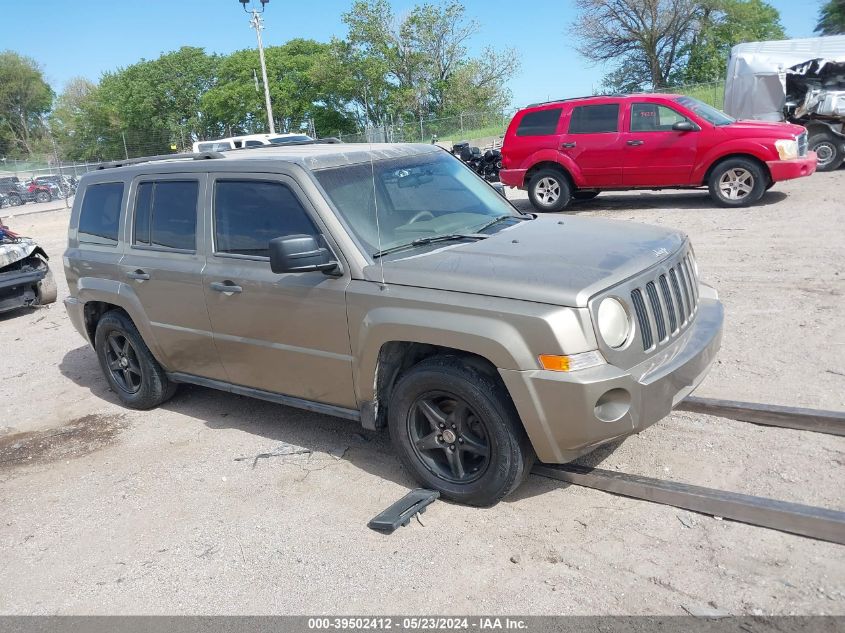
point(417, 197)
point(706, 112)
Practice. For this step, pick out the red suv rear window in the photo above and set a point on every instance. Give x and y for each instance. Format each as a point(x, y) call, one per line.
point(539, 122)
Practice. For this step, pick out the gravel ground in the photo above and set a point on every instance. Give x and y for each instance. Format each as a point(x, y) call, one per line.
point(107, 510)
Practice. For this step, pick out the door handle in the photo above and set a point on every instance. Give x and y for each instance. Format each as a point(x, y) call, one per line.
point(138, 275)
point(636, 142)
point(226, 287)
point(567, 145)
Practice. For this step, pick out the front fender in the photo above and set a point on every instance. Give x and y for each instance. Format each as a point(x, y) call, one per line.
point(508, 333)
point(121, 295)
point(490, 338)
point(761, 149)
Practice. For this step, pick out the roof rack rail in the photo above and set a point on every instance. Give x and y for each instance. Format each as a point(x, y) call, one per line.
point(152, 159)
point(534, 105)
point(329, 140)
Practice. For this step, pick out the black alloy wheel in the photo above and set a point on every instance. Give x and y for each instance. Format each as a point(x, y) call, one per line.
point(123, 363)
point(449, 438)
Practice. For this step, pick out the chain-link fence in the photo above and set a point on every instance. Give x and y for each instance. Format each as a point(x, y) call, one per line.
point(467, 126)
point(712, 93)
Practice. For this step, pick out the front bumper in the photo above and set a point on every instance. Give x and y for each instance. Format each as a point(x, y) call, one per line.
point(513, 177)
point(562, 412)
point(18, 288)
point(796, 168)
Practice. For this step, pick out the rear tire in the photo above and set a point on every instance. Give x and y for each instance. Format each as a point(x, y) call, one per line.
point(737, 182)
point(829, 151)
point(549, 190)
point(457, 431)
point(15, 200)
point(129, 366)
point(43, 196)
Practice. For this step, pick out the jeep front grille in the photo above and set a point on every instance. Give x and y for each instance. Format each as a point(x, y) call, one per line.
point(672, 303)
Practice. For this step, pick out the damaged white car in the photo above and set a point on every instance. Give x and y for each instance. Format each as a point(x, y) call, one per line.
point(799, 81)
point(25, 276)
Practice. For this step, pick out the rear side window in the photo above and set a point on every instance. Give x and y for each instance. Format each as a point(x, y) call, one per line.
point(539, 123)
point(99, 218)
point(166, 214)
point(250, 213)
point(253, 143)
point(595, 119)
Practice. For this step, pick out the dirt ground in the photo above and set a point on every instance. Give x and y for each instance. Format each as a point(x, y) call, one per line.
point(106, 510)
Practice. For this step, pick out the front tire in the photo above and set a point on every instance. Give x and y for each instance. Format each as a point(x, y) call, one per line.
point(737, 182)
point(549, 190)
point(129, 366)
point(15, 200)
point(46, 292)
point(457, 431)
point(829, 151)
point(43, 196)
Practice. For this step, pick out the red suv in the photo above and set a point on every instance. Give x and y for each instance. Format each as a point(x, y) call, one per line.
point(576, 148)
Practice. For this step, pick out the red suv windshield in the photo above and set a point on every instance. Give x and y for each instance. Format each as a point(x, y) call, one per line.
point(706, 112)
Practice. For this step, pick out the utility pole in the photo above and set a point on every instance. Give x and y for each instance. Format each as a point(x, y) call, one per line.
point(257, 22)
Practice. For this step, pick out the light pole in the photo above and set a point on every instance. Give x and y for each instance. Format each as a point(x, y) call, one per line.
point(257, 22)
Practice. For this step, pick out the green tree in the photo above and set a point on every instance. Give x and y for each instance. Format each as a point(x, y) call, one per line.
point(302, 94)
point(424, 60)
point(154, 104)
point(25, 97)
point(723, 24)
point(82, 127)
point(832, 18)
point(642, 40)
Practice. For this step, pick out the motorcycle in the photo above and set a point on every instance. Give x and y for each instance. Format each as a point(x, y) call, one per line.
point(486, 165)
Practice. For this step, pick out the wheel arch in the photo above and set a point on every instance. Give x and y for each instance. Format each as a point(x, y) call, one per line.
point(99, 296)
point(395, 358)
point(549, 164)
point(746, 156)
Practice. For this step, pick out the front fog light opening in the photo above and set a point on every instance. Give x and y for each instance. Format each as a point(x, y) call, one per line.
point(613, 405)
point(614, 324)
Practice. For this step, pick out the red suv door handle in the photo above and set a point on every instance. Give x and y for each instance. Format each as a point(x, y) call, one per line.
point(636, 142)
point(567, 145)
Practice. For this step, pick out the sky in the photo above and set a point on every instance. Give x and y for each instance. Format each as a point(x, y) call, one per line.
point(84, 38)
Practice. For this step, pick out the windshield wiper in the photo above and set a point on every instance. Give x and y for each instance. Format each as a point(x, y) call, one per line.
point(501, 218)
point(422, 241)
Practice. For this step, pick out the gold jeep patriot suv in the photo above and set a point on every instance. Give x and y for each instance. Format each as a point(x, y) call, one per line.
point(390, 285)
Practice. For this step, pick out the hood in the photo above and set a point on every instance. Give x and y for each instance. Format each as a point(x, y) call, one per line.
point(770, 129)
point(14, 251)
point(560, 261)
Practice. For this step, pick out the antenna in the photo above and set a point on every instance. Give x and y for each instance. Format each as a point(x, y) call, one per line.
point(375, 204)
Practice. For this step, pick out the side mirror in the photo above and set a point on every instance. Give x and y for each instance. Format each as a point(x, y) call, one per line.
point(500, 189)
point(685, 126)
point(299, 254)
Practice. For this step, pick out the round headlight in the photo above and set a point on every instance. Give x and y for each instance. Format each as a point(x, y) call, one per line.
point(614, 325)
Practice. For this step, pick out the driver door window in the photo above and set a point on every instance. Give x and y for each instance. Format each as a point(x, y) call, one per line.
point(650, 117)
point(250, 213)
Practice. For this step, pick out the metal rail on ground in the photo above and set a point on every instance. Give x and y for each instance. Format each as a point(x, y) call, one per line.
point(819, 421)
point(795, 518)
